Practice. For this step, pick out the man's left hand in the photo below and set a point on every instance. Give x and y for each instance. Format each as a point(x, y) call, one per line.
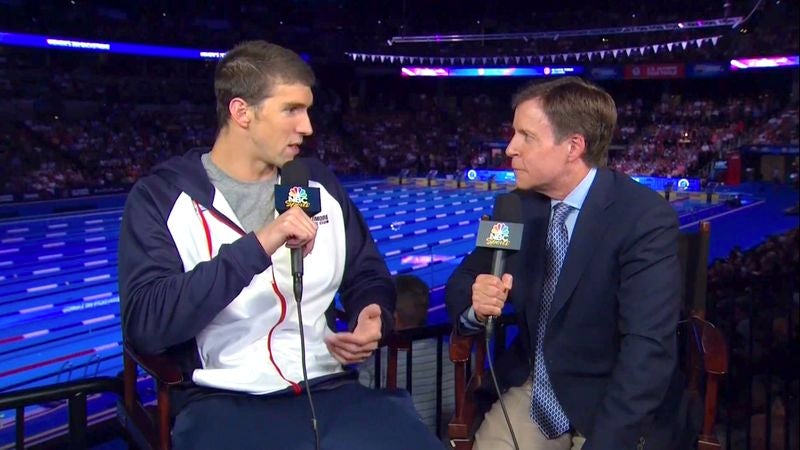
point(355, 347)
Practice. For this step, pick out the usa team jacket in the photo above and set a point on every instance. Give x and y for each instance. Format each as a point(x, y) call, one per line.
point(195, 286)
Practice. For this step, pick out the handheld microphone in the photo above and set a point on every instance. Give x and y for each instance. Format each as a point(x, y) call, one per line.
point(503, 234)
point(294, 191)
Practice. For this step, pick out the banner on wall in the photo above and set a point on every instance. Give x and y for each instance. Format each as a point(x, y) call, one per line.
point(706, 70)
point(606, 73)
point(654, 71)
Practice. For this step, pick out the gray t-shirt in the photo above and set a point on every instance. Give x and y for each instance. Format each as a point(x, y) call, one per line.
point(253, 203)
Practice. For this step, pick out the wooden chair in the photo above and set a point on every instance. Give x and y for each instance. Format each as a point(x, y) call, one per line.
point(704, 350)
point(465, 422)
point(462, 427)
point(705, 362)
point(147, 425)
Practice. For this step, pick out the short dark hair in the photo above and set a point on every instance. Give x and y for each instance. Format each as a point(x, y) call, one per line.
point(413, 298)
point(573, 105)
point(251, 70)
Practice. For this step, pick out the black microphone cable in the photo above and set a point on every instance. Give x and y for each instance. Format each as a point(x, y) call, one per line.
point(295, 174)
point(490, 322)
point(298, 295)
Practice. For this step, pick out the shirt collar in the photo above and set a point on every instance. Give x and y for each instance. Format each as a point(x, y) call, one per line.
point(576, 198)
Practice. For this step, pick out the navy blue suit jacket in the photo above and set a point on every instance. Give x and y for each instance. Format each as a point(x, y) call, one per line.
point(610, 345)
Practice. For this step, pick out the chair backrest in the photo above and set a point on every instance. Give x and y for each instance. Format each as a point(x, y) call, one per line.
point(704, 352)
point(693, 255)
point(705, 363)
point(411, 311)
point(395, 343)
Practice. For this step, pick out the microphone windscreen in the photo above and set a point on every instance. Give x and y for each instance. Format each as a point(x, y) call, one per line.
point(504, 231)
point(507, 208)
point(294, 173)
point(294, 190)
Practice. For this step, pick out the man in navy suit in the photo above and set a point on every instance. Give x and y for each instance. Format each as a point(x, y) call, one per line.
point(595, 286)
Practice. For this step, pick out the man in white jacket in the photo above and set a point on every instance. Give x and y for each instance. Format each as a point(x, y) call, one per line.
point(205, 278)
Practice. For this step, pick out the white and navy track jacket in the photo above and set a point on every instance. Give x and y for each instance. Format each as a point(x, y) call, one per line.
point(195, 286)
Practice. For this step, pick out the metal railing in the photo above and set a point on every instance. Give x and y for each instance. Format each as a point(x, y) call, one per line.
point(759, 396)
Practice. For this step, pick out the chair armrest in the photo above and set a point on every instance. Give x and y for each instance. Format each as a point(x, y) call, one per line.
point(460, 347)
point(159, 367)
point(149, 426)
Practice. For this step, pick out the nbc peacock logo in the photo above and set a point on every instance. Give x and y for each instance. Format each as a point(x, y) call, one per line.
point(297, 197)
point(499, 235)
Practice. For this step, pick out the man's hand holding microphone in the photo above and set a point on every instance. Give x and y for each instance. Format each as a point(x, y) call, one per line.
point(489, 295)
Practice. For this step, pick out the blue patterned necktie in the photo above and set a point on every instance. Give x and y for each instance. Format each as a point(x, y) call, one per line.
point(545, 409)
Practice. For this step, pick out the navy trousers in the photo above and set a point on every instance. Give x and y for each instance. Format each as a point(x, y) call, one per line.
point(349, 417)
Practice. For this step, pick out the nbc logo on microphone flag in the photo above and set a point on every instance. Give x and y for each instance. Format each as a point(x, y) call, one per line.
point(499, 235)
point(297, 197)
